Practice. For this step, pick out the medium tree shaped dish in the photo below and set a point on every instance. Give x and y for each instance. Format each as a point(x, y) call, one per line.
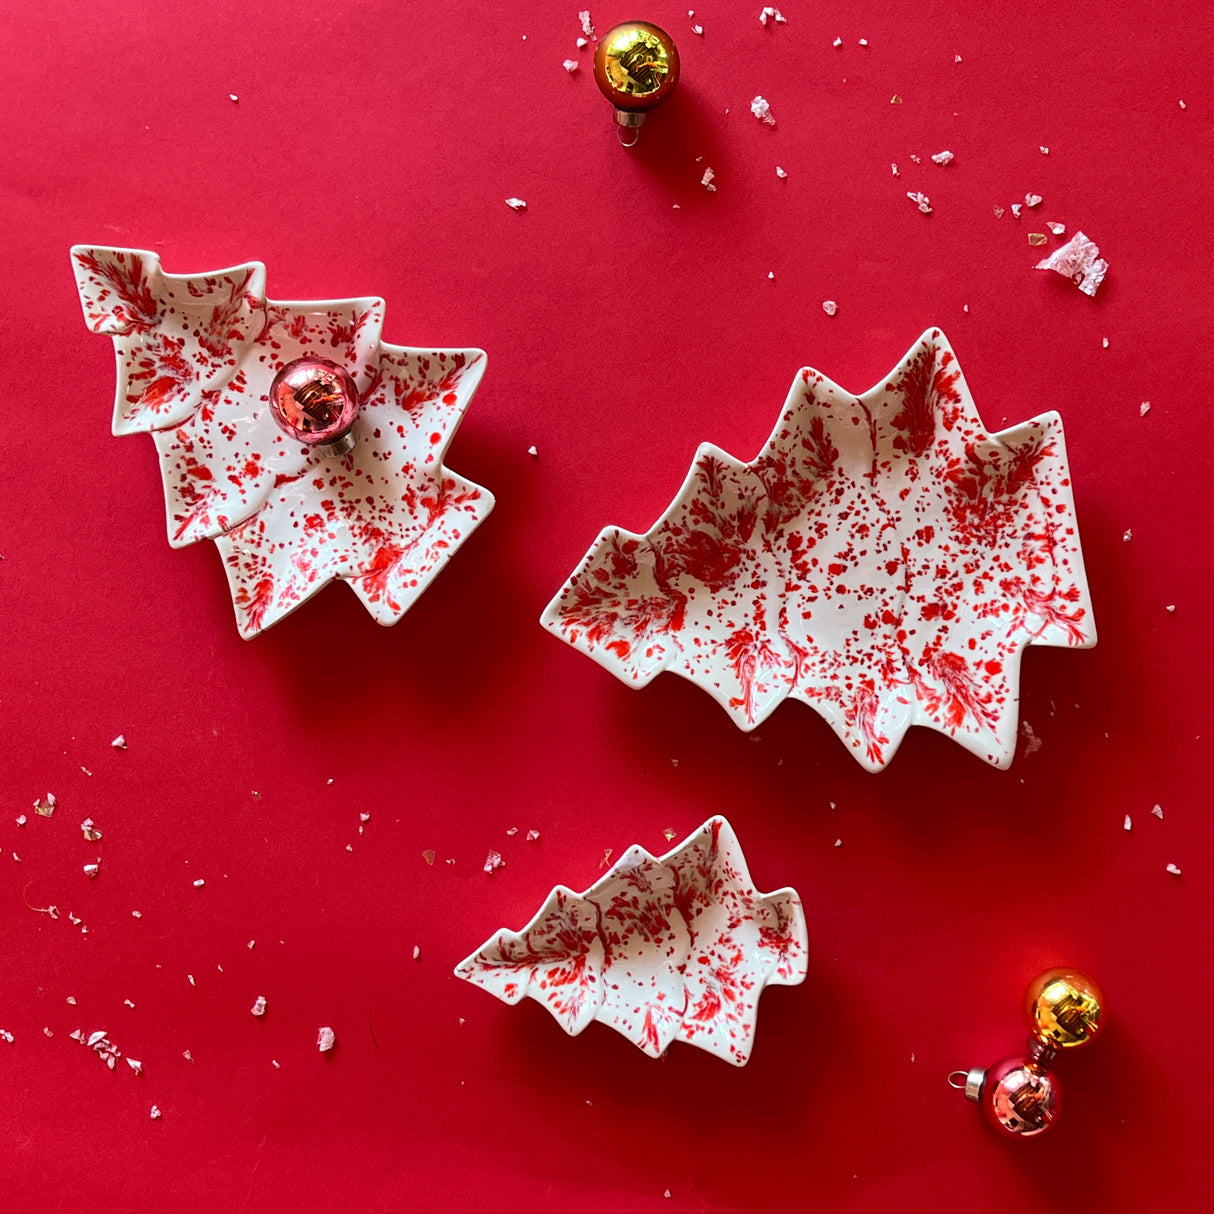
point(676, 948)
point(883, 559)
point(196, 356)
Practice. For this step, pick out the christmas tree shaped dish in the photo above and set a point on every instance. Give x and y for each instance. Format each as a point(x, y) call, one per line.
point(198, 356)
point(883, 559)
point(676, 948)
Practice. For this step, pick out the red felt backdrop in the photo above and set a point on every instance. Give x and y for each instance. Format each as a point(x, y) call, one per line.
point(628, 315)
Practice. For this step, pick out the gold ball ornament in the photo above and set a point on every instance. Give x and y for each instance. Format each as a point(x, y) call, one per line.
point(636, 66)
point(1062, 1009)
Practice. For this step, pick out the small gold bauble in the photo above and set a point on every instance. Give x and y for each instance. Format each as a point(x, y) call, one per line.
point(636, 66)
point(1063, 1008)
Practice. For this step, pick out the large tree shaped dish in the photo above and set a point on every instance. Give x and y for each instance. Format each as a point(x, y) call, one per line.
point(196, 357)
point(883, 559)
point(671, 949)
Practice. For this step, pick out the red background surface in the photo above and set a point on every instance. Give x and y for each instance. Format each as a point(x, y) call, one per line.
point(370, 152)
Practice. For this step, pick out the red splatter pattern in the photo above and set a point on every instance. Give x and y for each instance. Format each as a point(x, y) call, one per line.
point(671, 949)
point(883, 559)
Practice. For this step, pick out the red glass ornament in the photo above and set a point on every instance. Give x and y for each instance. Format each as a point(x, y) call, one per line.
point(315, 401)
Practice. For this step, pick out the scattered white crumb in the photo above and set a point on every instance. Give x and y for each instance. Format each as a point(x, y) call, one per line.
point(780, 173)
point(494, 861)
point(1043, 149)
point(1032, 200)
point(46, 1030)
point(838, 42)
point(1016, 209)
point(91, 833)
point(570, 65)
point(259, 1006)
point(698, 30)
point(706, 181)
point(1104, 341)
point(1157, 811)
point(965, 307)
point(893, 169)
point(531, 451)
point(155, 1113)
point(128, 1003)
point(5, 1035)
point(771, 274)
point(16, 857)
point(417, 952)
point(21, 819)
point(85, 770)
point(364, 817)
point(1032, 743)
point(863, 41)
point(251, 944)
point(1183, 106)
point(771, 14)
point(1127, 824)
point(1171, 610)
point(516, 204)
point(1127, 536)
point(582, 44)
point(187, 1055)
point(71, 1000)
point(45, 807)
point(584, 17)
point(998, 212)
point(326, 1039)
point(1079, 260)
point(91, 870)
point(921, 200)
point(761, 109)
point(512, 831)
point(136, 914)
point(1057, 228)
point(135, 1065)
point(191, 978)
point(532, 836)
point(1174, 870)
point(916, 159)
point(277, 1064)
point(119, 743)
point(199, 883)
point(829, 307)
point(956, 58)
point(943, 158)
point(1144, 408)
point(838, 842)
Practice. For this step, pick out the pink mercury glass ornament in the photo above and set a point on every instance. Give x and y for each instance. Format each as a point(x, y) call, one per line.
point(315, 402)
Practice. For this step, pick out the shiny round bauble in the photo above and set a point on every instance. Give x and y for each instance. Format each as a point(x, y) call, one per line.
point(314, 401)
point(1019, 1099)
point(636, 66)
point(1063, 1009)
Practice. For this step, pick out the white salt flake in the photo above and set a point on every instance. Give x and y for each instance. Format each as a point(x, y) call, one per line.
point(71, 1001)
point(128, 1003)
point(46, 806)
point(91, 833)
point(838, 42)
point(136, 914)
point(582, 44)
point(493, 861)
point(965, 307)
point(155, 1113)
point(16, 857)
point(531, 451)
point(135, 1065)
point(698, 30)
point(780, 173)
point(863, 41)
point(1174, 870)
point(771, 274)
point(187, 1055)
point(1032, 743)
point(761, 109)
point(956, 58)
point(1157, 811)
point(251, 944)
point(1032, 200)
point(1171, 610)
point(1016, 209)
point(570, 65)
point(1127, 824)
point(838, 842)
point(47, 1032)
point(998, 212)
point(85, 770)
point(21, 819)
point(5, 1035)
point(326, 1039)
point(771, 14)
point(91, 870)
point(916, 159)
point(96, 1038)
point(192, 982)
point(943, 158)
point(1144, 408)
point(584, 17)
point(1079, 260)
point(199, 883)
point(893, 169)
point(1104, 342)
point(259, 1006)
point(364, 817)
point(1057, 228)
point(77, 1035)
point(706, 181)
point(921, 200)
point(277, 1065)
point(829, 307)
point(1043, 149)
point(1183, 106)
point(516, 204)
point(1127, 536)
point(532, 836)
point(417, 952)
point(119, 743)
point(512, 831)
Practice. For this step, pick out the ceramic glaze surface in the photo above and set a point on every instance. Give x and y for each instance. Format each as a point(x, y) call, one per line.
point(197, 355)
point(671, 949)
point(884, 560)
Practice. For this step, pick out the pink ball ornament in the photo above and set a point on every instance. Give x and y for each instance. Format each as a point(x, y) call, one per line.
point(315, 402)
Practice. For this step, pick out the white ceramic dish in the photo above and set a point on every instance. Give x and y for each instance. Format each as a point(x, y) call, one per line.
point(883, 559)
point(676, 948)
point(196, 356)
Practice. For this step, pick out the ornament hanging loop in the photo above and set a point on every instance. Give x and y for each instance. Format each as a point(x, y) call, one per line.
point(628, 125)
